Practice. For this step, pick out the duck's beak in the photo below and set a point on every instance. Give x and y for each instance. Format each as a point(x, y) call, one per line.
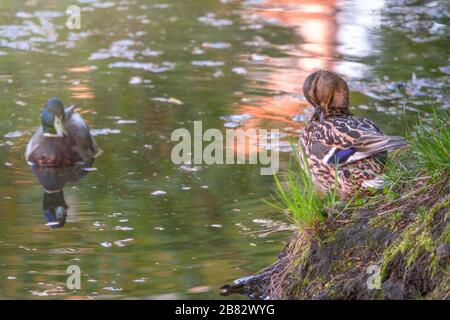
point(59, 127)
point(319, 112)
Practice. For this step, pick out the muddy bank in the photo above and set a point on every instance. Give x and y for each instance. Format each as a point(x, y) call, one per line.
point(368, 254)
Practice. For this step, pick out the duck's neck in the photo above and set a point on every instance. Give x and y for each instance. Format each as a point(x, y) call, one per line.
point(320, 115)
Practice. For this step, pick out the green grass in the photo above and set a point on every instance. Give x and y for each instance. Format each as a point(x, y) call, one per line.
point(413, 176)
point(426, 162)
point(297, 196)
point(431, 146)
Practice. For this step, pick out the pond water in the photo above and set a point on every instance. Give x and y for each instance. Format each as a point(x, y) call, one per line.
point(139, 226)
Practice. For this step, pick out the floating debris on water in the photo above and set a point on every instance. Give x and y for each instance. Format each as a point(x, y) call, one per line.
point(121, 243)
point(257, 58)
point(147, 66)
point(236, 117)
point(106, 244)
point(170, 100)
point(231, 125)
point(118, 49)
point(158, 193)
point(120, 228)
point(115, 214)
point(135, 80)
point(14, 134)
point(216, 45)
point(239, 70)
point(98, 224)
point(189, 168)
point(218, 74)
point(126, 121)
point(207, 63)
point(197, 51)
point(112, 289)
point(211, 20)
point(106, 131)
point(235, 120)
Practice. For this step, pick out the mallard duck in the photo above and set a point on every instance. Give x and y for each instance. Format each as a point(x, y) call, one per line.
point(63, 139)
point(342, 149)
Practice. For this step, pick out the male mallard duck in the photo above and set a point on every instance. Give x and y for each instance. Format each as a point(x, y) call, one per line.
point(341, 148)
point(63, 138)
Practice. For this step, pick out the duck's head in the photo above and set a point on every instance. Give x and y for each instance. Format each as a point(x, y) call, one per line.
point(328, 93)
point(52, 118)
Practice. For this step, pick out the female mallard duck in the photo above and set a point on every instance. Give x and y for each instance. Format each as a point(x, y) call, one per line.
point(342, 149)
point(63, 139)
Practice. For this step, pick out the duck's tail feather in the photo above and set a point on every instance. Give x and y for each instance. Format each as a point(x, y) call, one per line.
point(71, 109)
point(379, 143)
point(373, 145)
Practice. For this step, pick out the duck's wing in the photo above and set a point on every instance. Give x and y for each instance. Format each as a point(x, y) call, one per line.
point(35, 141)
point(344, 140)
point(79, 131)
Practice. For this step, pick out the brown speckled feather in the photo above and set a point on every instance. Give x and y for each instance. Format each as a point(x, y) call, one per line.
point(342, 148)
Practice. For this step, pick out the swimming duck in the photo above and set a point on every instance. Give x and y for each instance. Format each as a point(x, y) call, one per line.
point(342, 149)
point(62, 140)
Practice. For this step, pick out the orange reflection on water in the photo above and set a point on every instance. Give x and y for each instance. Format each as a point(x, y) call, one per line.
point(314, 23)
point(80, 88)
point(81, 69)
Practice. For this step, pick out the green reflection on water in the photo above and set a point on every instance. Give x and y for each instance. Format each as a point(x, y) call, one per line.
point(199, 234)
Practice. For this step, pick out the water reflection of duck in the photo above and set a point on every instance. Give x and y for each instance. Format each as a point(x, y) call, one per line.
point(63, 138)
point(334, 136)
point(53, 181)
point(55, 209)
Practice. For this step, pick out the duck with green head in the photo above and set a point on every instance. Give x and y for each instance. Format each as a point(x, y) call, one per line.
point(342, 149)
point(63, 139)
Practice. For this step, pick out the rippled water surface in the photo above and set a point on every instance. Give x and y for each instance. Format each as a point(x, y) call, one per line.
point(138, 225)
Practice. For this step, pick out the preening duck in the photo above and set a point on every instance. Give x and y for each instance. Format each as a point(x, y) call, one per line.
point(342, 149)
point(62, 140)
